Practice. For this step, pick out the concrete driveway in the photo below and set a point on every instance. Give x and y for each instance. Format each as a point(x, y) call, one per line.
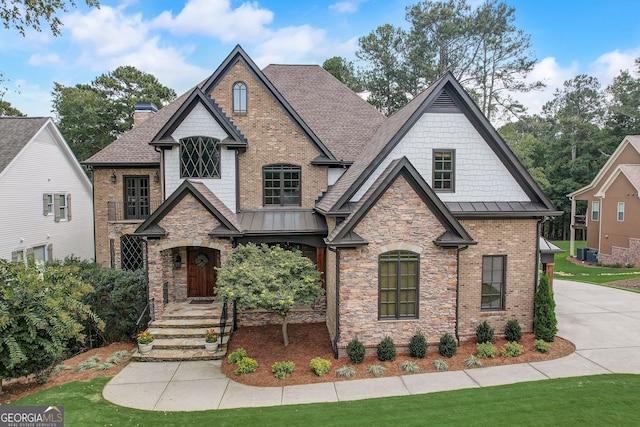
point(603, 323)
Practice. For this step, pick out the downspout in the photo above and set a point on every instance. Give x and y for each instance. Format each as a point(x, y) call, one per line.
point(600, 222)
point(337, 298)
point(93, 208)
point(572, 228)
point(537, 263)
point(458, 250)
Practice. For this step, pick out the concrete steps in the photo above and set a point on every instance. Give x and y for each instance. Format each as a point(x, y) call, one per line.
point(179, 333)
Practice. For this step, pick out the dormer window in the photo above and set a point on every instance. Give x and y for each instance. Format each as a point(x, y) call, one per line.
point(240, 98)
point(199, 157)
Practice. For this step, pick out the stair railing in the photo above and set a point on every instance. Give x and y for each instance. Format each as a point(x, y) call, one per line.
point(145, 317)
point(223, 322)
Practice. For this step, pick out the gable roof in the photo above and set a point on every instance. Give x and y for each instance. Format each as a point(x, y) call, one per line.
point(445, 94)
point(631, 172)
point(229, 226)
point(321, 100)
point(15, 134)
point(239, 55)
point(455, 235)
point(629, 140)
point(163, 138)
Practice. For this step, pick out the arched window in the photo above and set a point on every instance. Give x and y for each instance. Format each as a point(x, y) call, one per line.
point(199, 157)
point(398, 285)
point(281, 184)
point(239, 98)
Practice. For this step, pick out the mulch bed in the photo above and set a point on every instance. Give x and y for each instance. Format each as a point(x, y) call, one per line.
point(306, 341)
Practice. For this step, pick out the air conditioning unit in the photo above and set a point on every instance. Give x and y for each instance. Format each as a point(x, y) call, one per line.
point(592, 256)
point(582, 254)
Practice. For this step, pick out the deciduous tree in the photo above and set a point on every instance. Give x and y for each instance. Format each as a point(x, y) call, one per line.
point(23, 14)
point(272, 279)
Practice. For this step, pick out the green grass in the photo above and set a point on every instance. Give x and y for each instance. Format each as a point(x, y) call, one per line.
point(595, 400)
point(565, 269)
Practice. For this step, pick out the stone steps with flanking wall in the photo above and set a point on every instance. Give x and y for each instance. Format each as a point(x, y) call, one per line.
point(180, 335)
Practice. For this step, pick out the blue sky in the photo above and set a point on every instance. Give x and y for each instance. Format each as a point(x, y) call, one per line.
point(182, 42)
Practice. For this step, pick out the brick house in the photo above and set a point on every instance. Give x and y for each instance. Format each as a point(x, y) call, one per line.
point(423, 220)
point(612, 202)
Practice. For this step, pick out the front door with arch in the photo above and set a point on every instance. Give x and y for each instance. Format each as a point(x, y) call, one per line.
point(201, 274)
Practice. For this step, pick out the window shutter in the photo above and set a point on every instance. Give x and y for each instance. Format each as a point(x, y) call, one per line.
point(56, 208)
point(50, 252)
point(45, 204)
point(68, 207)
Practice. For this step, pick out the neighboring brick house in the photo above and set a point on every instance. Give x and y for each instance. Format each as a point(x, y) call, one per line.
point(612, 207)
point(423, 220)
point(47, 202)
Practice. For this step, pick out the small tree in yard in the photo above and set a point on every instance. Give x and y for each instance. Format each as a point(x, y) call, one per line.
point(545, 324)
point(40, 314)
point(268, 278)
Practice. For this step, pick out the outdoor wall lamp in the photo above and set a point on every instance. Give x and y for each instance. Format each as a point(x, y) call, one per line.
point(178, 262)
point(156, 177)
point(113, 177)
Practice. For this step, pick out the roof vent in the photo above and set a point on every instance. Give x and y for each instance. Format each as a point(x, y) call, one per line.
point(444, 100)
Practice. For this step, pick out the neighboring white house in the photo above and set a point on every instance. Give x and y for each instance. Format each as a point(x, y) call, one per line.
point(46, 204)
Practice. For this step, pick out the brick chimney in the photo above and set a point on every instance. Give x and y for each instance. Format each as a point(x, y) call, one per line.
point(143, 111)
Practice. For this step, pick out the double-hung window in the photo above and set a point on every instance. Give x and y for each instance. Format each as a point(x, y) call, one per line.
point(281, 185)
point(595, 211)
point(398, 285)
point(493, 278)
point(620, 211)
point(444, 170)
point(199, 157)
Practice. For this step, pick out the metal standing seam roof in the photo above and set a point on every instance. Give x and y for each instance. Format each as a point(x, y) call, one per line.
point(281, 222)
point(15, 133)
point(342, 120)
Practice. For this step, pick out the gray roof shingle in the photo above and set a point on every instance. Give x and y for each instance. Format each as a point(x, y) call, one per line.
point(342, 120)
point(15, 133)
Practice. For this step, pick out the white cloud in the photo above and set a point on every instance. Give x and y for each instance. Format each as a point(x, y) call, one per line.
point(216, 18)
point(47, 59)
point(610, 64)
point(550, 73)
point(348, 6)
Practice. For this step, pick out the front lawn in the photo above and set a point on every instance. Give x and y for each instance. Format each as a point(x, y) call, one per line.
point(567, 270)
point(593, 400)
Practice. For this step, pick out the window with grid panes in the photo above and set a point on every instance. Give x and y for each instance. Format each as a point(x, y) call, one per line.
point(443, 170)
point(131, 252)
point(136, 197)
point(239, 98)
point(281, 185)
point(199, 157)
point(493, 278)
point(398, 285)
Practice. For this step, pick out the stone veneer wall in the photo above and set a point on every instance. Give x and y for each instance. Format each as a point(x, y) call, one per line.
point(188, 224)
point(515, 238)
point(272, 138)
point(316, 313)
point(400, 220)
point(623, 256)
point(106, 191)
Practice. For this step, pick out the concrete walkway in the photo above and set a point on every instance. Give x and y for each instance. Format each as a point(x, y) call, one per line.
point(603, 323)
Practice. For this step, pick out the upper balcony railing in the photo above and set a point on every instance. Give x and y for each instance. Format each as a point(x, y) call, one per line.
point(135, 212)
point(580, 221)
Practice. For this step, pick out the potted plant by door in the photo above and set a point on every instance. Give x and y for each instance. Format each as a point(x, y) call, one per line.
point(210, 341)
point(145, 342)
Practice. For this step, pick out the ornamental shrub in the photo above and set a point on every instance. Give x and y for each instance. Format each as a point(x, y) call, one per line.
point(447, 346)
point(346, 372)
point(320, 366)
point(472, 362)
point(282, 370)
point(409, 367)
point(386, 350)
point(440, 365)
point(356, 351)
point(376, 370)
point(418, 345)
point(511, 349)
point(541, 346)
point(484, 333)
point(246, 365)
point(513, 331)
point(237, 355)
point(486, 350)
point(545, 324)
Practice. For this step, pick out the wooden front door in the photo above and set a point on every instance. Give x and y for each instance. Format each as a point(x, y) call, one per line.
point(201, 275)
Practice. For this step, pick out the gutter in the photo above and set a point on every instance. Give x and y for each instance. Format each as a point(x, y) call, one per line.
point(337, 298)
point(458, 250)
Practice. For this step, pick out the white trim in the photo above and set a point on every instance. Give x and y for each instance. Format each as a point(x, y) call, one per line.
point(620, 212)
